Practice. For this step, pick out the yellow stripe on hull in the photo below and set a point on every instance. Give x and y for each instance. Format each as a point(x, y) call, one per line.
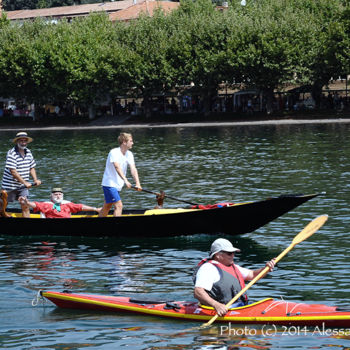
point(146, 213)
point(193, 316)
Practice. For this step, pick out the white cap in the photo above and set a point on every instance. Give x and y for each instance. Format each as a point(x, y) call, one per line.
point(222, 244)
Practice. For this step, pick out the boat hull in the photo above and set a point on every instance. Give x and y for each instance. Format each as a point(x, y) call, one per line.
point(237, 219)
point(266, 311)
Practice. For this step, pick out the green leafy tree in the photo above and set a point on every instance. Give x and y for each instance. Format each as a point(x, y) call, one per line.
point(12, 5)
point(197, 46)
point(18, 58)
point(101, 64)
point(83, 62)
point(268, 45)
point(330, 54)
point(78, 62)
point(345, 20)
point(4, 21)
point(148, 39)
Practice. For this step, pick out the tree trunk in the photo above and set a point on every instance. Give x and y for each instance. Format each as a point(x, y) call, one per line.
point(92, 111)
point(316, 92)
point(146, 106)
point(207, 96)
point(269, 100)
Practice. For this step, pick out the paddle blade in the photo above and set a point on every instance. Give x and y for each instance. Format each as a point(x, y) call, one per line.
point(310, 229)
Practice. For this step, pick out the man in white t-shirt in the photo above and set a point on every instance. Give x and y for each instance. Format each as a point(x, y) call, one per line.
point(114, 176)
point(217, 279)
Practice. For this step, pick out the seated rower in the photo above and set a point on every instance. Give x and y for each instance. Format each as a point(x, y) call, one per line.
point(57, 207)
point(217, 279)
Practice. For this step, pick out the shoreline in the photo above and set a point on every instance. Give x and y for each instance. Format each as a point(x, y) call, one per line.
point(128, 122)
point(154, 125)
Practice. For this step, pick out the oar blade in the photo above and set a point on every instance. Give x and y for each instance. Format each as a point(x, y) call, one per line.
point(310, 229)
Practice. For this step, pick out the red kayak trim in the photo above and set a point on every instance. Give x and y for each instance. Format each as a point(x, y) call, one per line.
point(266, 311)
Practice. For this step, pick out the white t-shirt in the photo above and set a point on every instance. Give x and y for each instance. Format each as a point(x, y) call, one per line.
point(208, 274)
point(110, 176)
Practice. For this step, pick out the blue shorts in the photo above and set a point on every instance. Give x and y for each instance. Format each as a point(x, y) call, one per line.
point(111, 194)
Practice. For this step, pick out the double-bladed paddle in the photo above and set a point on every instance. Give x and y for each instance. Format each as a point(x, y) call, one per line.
point(308, 231)
point(165, 195)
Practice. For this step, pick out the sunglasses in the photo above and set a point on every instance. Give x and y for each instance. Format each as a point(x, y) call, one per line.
point(228, 253)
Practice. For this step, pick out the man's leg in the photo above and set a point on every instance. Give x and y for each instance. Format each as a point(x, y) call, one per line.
point(118, 208)
point(23, 192)
point(112, 197)
point(105, 209)
point(25, 211)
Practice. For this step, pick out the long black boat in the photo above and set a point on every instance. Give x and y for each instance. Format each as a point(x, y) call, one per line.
point(235, 219)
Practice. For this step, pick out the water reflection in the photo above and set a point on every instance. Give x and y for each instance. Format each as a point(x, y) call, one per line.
point(199, 164)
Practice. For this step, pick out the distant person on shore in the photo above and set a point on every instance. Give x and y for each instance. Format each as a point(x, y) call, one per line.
point(57, 207)
point(250, 106)
point(20, 165)
point(114, 176)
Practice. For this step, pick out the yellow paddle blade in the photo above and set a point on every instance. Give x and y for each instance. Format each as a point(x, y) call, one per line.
point(310, 229)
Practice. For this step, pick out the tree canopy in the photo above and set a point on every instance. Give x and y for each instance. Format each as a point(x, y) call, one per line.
point(265, 44)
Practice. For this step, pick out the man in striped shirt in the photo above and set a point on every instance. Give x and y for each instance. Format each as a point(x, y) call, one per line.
point(20, 165)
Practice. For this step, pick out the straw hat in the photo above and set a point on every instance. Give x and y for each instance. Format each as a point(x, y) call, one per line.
point(22, 135)
point(57, 189)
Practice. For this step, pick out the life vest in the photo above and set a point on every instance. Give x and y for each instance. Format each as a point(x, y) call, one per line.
point(231, 282)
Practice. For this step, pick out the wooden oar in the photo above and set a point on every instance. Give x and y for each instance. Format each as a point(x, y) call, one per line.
point(166, 196)
point(309, 230)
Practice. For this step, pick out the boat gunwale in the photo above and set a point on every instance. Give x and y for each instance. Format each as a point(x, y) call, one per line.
point(155, 211)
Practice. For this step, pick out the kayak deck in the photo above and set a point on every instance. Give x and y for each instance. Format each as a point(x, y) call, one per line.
point(266, 311)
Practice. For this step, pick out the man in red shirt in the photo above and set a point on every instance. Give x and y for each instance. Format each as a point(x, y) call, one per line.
point(57, 207)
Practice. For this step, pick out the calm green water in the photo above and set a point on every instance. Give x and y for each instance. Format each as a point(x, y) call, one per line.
point(203, 165)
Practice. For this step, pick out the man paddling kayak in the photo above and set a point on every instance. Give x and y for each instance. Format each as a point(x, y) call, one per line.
point(217, 279)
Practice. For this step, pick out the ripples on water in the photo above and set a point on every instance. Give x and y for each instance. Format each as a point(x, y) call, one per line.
point(203, 165)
